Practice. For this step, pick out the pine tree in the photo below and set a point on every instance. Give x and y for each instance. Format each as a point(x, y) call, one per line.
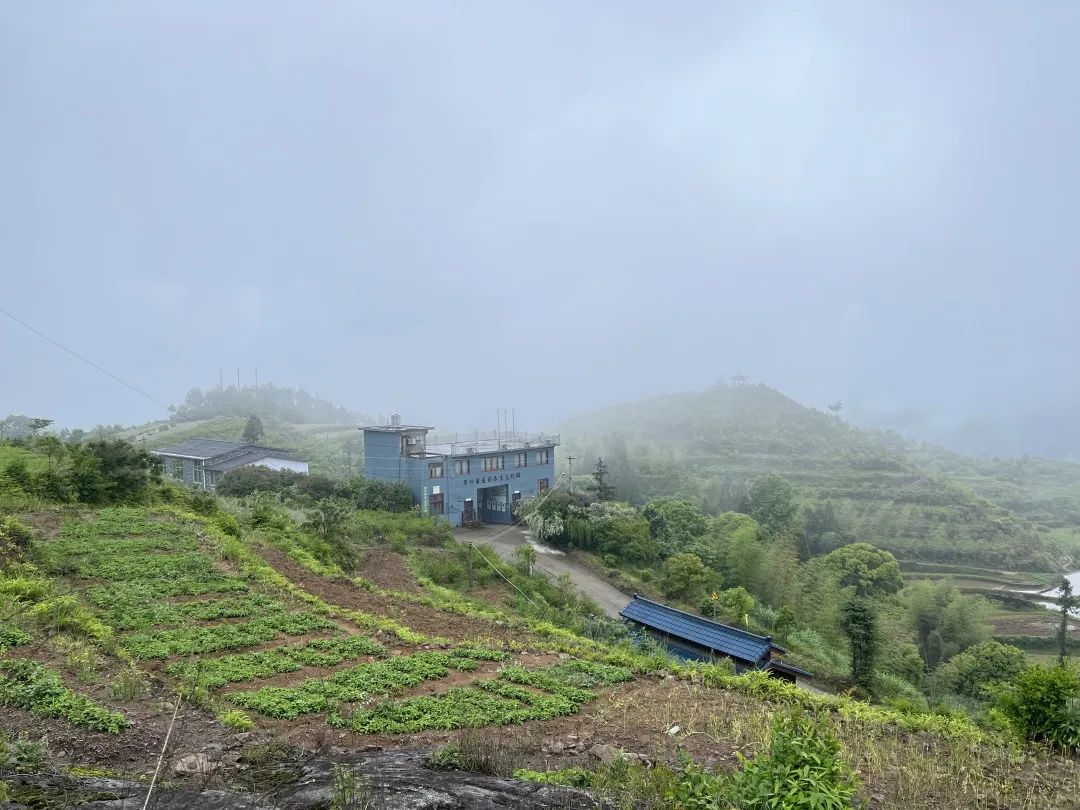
point(600, 487)
point(253, 430)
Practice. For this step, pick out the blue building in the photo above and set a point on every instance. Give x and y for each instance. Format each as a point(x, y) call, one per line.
point(467, 482)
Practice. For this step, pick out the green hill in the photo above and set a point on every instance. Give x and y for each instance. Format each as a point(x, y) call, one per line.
point(708, 446)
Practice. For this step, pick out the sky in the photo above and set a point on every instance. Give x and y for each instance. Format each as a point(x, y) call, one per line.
point(447, 209)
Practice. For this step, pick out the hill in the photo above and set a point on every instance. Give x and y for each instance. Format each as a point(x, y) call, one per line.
point(919, 504)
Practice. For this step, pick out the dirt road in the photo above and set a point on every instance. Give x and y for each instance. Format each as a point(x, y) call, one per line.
point(551, 561)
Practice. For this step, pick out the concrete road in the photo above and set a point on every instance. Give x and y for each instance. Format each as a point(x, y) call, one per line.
point(550, 561)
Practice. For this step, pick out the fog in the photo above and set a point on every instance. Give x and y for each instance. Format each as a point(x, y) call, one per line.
point(444, 209)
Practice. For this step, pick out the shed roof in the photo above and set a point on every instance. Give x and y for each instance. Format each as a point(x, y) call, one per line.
point(722, 638)
point(200, 448)
point(784, 666)
point(249, 456)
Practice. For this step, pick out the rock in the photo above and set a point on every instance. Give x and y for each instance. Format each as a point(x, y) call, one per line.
point(564, 656)
point(193, 764)
point(674, 730)
point(240, 739)
point(605, 752)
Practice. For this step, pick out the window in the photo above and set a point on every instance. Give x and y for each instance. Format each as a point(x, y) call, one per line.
point(461, 467)
point(521, 459)
point(493, 463)
point(541, 486)
point(543, 456)
point(176, 469)
point(435, 503)
point(434, 469)
point(198, 474)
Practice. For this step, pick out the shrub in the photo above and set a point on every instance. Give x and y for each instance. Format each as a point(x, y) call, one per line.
point(234, 718)
point(15, 533)
point(802, 770)
point(980, 667)
point(1038, 703)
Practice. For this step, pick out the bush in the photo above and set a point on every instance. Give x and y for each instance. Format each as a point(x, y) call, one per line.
point(1038, 704)
point(802, 769)
point(14, 533)
point(979, 668)
point(235, 718)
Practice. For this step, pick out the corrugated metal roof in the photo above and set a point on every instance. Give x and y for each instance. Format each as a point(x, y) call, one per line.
point(715, 636)
point(200, 448)
point(249, 456)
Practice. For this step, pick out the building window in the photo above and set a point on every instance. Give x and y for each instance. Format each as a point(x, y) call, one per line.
point(461, 467)
point(541, 486)
point(198, 474)
point(543, 456)
point(176, 469)
point(434, 469)
point(521, 459)
point(493, 463)
point(435, 503)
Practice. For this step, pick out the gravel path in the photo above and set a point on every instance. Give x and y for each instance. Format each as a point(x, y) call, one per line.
point(551, 561)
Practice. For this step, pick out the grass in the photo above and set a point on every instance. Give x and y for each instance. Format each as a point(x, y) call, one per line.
point(29, 685)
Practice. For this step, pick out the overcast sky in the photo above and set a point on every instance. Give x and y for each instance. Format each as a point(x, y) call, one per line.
point(447, 208)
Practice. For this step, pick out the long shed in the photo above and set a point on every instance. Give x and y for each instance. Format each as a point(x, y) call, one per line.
point(697, 638)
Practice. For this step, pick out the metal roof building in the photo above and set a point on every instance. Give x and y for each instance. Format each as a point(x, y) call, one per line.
point(698, 638)
point(202, 462)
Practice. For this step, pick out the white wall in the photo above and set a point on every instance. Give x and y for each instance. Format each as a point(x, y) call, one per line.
point(281, 464)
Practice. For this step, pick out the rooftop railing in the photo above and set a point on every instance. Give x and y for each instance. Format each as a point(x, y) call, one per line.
point(463, 444)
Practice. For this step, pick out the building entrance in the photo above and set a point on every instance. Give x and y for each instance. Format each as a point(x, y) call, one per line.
point(494, 504)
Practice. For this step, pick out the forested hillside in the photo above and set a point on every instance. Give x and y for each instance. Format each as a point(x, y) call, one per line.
point(709, 446)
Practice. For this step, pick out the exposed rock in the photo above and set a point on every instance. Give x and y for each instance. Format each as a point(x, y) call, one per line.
point(391, 780)
point(194, 764)
point(605, 752)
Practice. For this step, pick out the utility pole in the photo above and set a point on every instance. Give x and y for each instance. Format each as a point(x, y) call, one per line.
point(571, 460)
point(470, 566)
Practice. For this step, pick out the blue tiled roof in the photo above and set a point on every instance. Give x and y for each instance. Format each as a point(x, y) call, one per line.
point(715, 636)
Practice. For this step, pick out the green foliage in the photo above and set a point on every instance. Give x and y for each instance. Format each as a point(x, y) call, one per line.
point(193, 640)
point(684, 576)
point(677, 525)
point(945, 621)
point(803, 769)
point(110, 472)
point(980, 668)
point(253, 430)
point(215, 672)
point(234, 718)
point(289, 404)
point(351, 685)
point(1040, 704)
point(13, 637)
point(600, 486)
point(870, 571)
point(14, 534)
point(31, 686)
point(859, 623)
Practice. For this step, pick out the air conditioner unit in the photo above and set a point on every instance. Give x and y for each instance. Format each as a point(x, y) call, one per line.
point(504, 447)
point(470, 449)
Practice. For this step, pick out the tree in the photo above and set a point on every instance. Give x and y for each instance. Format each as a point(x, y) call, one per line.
point(525, 555)
point(945, 621)
point(858, 620)
point(1037, 703)
point(600, 486)
point(736, 602)
point(783, 624)
point(109, 472)
point(1066, 602)
point(677, 525)
point(836, 407)
point(253, 430)
point(39, 424)
point(771, 502)
point(684, 575)
point(869, 570)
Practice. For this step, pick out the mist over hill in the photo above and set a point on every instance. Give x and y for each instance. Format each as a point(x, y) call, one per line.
point(918, 501)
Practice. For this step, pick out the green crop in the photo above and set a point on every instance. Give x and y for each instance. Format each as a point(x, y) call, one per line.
point(13, 637)
point(193, 640)
point(352, 685)
point(130, 614)
point(322, 652)
point(31, 686)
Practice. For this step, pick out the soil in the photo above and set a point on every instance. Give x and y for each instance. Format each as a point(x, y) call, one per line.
point(45, 522)
point(421, 618)
point(388, 570)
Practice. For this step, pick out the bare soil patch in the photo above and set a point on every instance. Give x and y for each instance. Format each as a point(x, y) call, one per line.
point(388, 570)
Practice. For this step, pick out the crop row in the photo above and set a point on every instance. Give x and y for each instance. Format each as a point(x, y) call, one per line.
point(493, 702)
point(195, 640)
point(31, 686)
point(321, 652)
point(151, 589)
point(137, 566)
point(130, 614)
point(12, 637)
point(353, 684)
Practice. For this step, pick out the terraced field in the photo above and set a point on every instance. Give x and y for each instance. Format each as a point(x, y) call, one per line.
point(236, 634)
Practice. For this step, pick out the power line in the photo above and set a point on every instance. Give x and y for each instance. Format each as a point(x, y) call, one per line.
point(104, 371)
